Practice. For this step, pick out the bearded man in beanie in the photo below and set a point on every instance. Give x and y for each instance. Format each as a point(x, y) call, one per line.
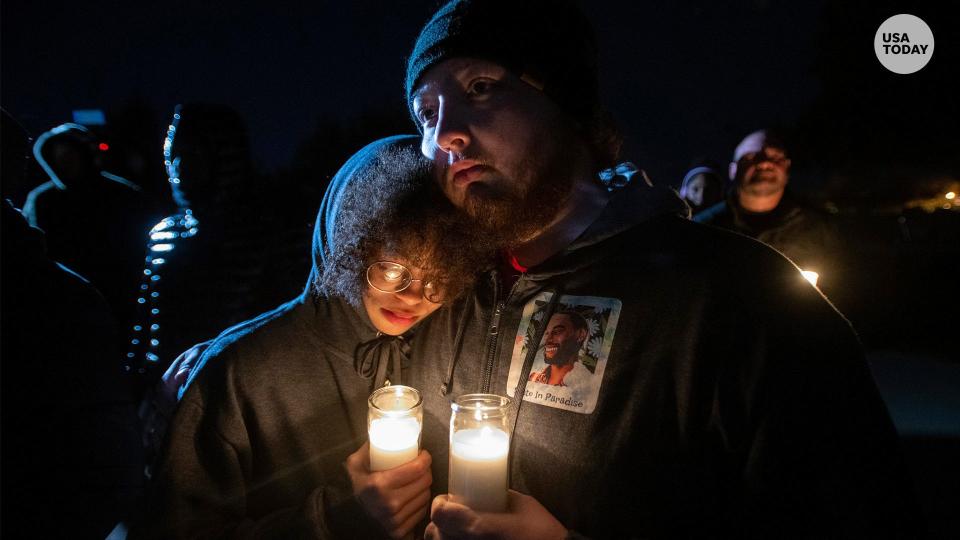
point(725, 395)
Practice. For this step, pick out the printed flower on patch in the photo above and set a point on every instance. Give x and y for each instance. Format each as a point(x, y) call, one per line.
point(593, 326)
point(594, 347)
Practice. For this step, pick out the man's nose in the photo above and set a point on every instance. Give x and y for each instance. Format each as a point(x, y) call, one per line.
point(763, 162)
point(452, 134)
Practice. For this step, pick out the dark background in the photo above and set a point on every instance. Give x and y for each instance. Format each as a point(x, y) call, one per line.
point(685, 80)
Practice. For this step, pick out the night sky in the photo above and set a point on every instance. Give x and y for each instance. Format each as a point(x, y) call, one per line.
point(684, 79)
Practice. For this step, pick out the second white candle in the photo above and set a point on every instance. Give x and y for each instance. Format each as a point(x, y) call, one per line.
point(479, 467)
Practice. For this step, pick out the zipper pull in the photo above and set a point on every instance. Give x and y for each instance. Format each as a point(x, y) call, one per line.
point(495, 323)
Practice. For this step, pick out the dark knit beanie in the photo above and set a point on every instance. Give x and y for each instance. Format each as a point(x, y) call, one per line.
point(549, 41)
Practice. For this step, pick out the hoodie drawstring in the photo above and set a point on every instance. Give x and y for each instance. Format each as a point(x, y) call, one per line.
point(371, 358)
point(452, 359)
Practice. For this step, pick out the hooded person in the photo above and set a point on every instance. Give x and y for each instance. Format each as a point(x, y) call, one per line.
point(276, 406)
point(725, 397)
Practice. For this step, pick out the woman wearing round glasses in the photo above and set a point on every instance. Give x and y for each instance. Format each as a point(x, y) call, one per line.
point(265, 440)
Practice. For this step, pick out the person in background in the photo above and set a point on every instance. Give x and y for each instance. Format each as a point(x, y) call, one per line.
point(702, 187)
point(760, 206)
point(72, 463)
point(94, 220)
point(203, 264)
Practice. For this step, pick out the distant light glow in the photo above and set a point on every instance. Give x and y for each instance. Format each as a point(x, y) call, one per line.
point(103, 147)
point(158, 260)
point(161, 247)
point(165, 235)
point(950, 195)
point(810, 276)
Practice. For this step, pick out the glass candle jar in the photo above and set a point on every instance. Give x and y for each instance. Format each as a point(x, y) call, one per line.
point(394, 420)
point(479, 452)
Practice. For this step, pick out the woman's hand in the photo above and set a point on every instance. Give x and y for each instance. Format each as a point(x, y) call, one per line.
point(397, 498)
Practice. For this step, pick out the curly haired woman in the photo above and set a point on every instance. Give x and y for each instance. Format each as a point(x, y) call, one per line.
point(265, 439)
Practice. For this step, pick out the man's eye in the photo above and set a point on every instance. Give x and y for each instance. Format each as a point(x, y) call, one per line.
point(480, 87)
point(425, 114)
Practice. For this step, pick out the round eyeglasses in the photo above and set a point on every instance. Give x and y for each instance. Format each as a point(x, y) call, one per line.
point(390, 277)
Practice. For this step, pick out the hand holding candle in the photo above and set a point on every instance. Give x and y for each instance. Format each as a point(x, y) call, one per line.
point(398, 498)
point(390, 476)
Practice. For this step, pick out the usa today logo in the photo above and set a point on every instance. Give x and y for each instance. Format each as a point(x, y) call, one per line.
point(904, 44)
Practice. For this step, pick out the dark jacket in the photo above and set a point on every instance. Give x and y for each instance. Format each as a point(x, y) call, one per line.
point(72, 462)
point(257, 445)
point(801, 232)
point(720, 396)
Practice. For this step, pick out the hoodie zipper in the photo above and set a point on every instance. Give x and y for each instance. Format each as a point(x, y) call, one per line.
point(491, 349)
point(493, 333)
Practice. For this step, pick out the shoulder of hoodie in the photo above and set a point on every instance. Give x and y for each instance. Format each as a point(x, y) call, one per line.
point(263, 344)
point(739, 271)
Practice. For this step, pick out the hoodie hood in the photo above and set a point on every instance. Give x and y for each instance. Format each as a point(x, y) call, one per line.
point(637, 202)
point(325, 235)
point(357, 335)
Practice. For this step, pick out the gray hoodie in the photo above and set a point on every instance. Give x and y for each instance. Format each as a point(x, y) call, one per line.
point(713, 392)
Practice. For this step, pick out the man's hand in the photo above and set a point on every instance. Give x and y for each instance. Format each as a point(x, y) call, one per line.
point(397, 498)
point(526, 520)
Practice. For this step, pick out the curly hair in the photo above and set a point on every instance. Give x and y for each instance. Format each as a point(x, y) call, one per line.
point(393, 208)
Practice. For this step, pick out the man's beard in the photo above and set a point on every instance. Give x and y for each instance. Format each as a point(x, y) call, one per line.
point(509, 216)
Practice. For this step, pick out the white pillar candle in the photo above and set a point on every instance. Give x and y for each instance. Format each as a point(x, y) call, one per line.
point(393, 442)
point(394, 417)
point(478, 468)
